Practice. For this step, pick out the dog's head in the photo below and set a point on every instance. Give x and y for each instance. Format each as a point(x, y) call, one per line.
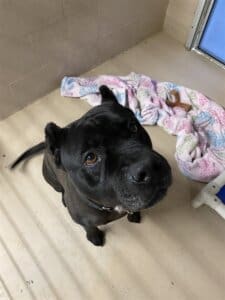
point(109, 157)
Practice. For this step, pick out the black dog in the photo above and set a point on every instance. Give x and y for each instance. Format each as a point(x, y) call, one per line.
point(104, 166)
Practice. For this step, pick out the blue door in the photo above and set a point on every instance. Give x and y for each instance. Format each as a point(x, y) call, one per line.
point(213, 38)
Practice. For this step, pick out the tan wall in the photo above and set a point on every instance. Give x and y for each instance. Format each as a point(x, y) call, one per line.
point(43, 40)
point(179, 18)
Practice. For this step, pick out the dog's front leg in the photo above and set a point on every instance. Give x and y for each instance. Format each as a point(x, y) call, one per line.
point(94, 235)
point(135, 217)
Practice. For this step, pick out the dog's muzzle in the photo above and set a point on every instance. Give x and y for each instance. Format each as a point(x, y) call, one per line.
point(144, 182)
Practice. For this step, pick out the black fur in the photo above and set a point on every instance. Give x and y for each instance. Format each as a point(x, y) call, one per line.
point(103, 160)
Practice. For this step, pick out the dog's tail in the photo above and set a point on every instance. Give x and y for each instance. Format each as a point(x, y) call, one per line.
point(30, 152)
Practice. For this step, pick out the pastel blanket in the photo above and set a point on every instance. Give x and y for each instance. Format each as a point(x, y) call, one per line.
point(200, 146)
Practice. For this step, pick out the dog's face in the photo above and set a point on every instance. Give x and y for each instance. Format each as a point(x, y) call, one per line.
point(108, 156)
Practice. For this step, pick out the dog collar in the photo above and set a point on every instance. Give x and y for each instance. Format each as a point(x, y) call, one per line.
point(98, 206)
point(119, 209)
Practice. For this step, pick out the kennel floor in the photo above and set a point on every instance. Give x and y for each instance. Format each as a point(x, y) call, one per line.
point(175, 253)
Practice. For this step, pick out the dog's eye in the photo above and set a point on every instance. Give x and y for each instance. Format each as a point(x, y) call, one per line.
point(90, 159)
point(133, 128)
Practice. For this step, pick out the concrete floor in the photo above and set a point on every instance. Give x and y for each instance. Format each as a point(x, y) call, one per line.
point(176, 253)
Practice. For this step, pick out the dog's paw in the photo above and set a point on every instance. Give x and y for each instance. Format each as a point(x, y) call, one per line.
point(96, 237)
point(135, 217)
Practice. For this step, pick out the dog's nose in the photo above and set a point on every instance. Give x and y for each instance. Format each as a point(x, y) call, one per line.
point(139, 174)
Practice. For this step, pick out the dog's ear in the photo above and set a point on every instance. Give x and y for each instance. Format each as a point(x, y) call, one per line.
point(53, 138)
point(107, 94)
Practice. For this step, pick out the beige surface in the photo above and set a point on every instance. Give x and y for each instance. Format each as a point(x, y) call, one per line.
point(176, 253)
point(42, 40)
point(179, 18)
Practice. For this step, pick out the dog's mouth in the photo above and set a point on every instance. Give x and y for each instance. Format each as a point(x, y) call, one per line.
point(133, 203)
point(129, 203)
